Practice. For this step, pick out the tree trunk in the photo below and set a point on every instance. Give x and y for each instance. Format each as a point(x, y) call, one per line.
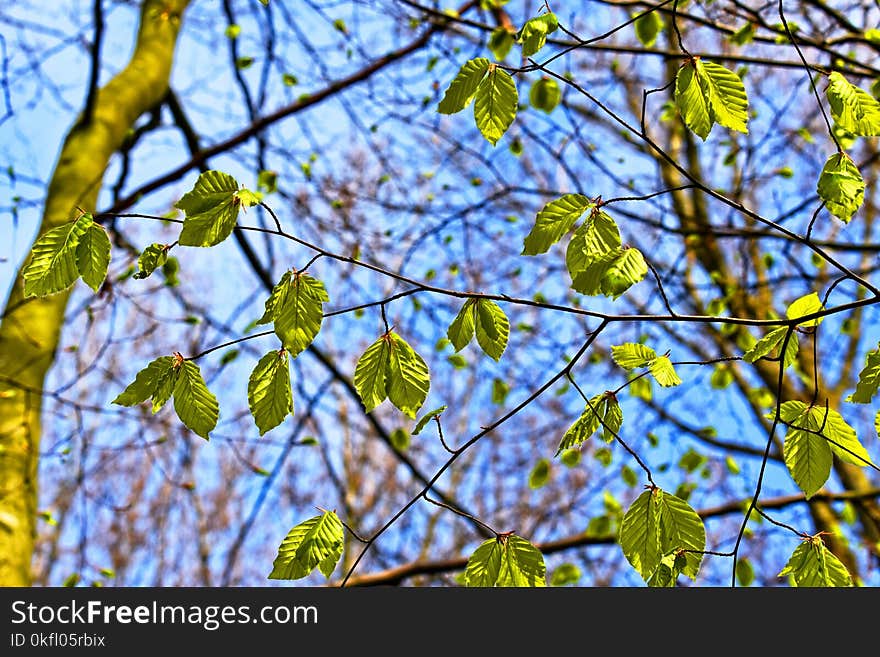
point(30, 328)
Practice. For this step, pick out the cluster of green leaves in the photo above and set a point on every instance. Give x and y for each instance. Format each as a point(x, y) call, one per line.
point(314, 543)
point(212, 207)
point(507, 560)
point(487, 320)
point(60, 256)
point(391, 369)
point(813, 565)
point(662, 537)
point(854, 110)
point(493, 92)
point(168, 376)
point(632, 355)
point(815, 434)
point(597, 261)
point(706, 93)
point(492, 89)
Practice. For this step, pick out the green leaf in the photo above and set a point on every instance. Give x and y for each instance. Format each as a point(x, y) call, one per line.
point(564, 574)
point(601, 410)
point(427, 417)
point(663, 371)
point(770, 342)
point(869, 379)
point(813, 565)
point(852, 107)
point(624, 271)
point(369, 374)
point(743, 35)
point(407, 376)
point(492, 328)
point(647, 27)
point(194, 404)
point(93, 256)
point(553, 221)
point(805, 305)
point(640, 533)
point(146, 382)
point(726, 95)
point(691, 101)
point(845, 445)
point(165, 388)
point(500, 390)
point(153, 257)
point(463, 87)
point(500, 42)
point(681, 529)
point(745, 573)
point(655, 533)
point(299, 315)
point(595, 238)
point(533, 35)
point(314, 543)
point(495, 104)
point(269, 395)
point(668, 570)
point(211, 210)
point(807, 455)
point(545, 95)
point(540, 474)
point(841, 186)
point(508, 560)
point(461, 330)
point(276, 299)
point(632, 354)
point(53, 265)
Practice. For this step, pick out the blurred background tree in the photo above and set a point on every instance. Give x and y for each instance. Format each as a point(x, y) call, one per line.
point(330, 110)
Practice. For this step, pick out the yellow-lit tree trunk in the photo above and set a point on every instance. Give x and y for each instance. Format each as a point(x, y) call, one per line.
point(30, 328)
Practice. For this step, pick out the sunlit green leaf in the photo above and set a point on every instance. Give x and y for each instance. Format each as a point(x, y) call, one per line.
point(194, 404)
point(407, 377)
point(492, 328)
point(463, 87)
point(369, 374)
point(553, 221)
point(852, 107)
point(314, 543)
point(869, 379)
point(640, 533)
point(691, 101)
point(269, 394)
point(146, 382)
point(602, 410)
point(210, 208)
point(53, 264)
point(663, 371)
point(805, 305)
point(595, 238)
point(153, 257)
point(533, 35)
point(427, 417)
point(495, 104)
point(631, 355)
point(726, 95)
point(506, 561)
point(813, 565)
point(841, 186)
point(93, 256)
